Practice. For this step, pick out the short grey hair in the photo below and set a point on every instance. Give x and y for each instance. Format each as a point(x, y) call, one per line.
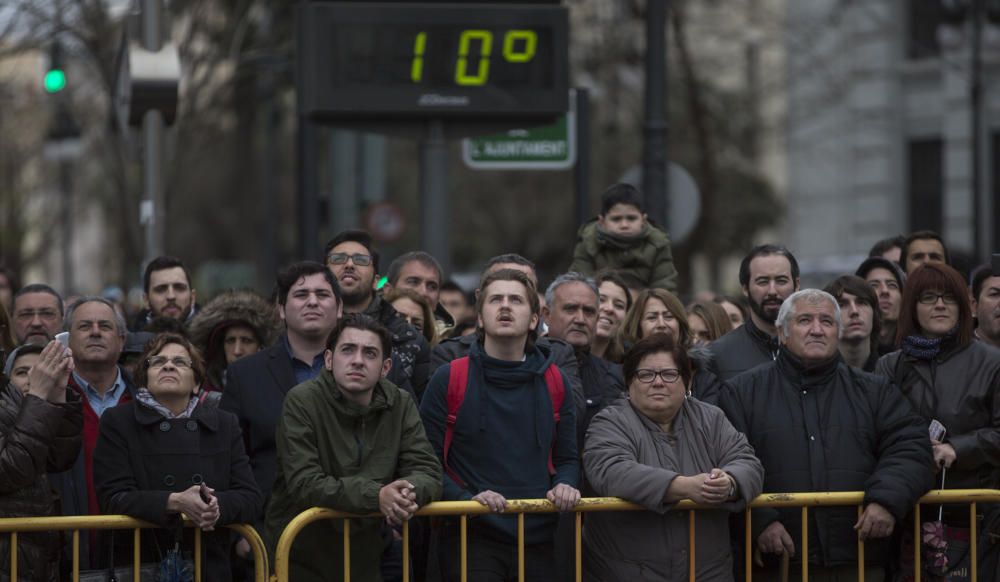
point(71, 311)
point(571, 277)
point(787, 312)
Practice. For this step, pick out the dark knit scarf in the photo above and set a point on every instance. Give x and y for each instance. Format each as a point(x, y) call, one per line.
point(923, 348)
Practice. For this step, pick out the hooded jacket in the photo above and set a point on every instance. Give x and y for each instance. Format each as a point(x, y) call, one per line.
point(646, 255)
point(338, 454)
point(234, 307)
point(411, 354)
point(503, 437)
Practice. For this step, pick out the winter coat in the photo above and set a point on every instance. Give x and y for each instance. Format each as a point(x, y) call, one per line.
point(562, 353)
point(959, 390)
point(830, 428)
point(606, 386)
point(234, 307)
point(142, 457)
point(411, 354)
point(503, 437)
point(646, 255)
point(742, 349)
point(35, 436)
point(705, 386)
point(628, 455)
point(338, 454)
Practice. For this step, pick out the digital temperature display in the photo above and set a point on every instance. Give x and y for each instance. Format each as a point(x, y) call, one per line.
point(433, 60)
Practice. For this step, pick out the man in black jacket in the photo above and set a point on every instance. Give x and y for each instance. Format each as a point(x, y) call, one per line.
point(819, 425)
point(353, 260)
point(768, 274)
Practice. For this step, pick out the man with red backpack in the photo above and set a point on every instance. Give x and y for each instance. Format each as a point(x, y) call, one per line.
point(502, 422)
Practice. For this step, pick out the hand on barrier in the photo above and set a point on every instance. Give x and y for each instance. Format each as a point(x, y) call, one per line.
point(875, 522)
point(944, 455)
point(491, 499)
point(50, 375)
point(717, 487)
point(397, 501)
point(563, 497)
point(190, 503)
point(775, 540)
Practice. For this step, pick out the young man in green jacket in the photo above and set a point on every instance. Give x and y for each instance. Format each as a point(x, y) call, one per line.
point(352, 441)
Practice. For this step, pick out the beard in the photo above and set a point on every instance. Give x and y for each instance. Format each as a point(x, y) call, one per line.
point(360, 295)
point(768, 313)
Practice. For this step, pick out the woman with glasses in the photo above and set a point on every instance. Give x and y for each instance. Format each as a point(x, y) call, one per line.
point(655, 449)
point(950, 378)
point(166, 454)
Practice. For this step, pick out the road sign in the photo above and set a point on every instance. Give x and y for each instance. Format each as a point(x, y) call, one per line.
point(685, 199)
point(547, 147)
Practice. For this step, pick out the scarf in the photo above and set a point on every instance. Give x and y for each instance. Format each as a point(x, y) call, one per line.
point(923, 348)
point(145, 397)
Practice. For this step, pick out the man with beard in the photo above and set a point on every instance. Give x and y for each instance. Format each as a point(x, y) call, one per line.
point(352, 259)
point(37, 314)
point(986, 305)
point(167, 293)
point(768, 275)
point(923, 246)
point(887, 280)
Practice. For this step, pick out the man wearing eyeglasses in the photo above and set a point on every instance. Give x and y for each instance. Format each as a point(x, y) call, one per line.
point(818, 424)
point(352, 259)
point(38, 312)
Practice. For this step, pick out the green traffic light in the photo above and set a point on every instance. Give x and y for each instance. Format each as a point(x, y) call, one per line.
point(55, 81)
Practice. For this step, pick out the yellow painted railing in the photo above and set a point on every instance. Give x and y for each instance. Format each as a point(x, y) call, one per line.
point(18, 525)
point(520, 507)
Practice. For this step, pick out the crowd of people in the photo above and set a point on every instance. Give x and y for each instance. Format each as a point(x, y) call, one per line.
point(336, 393)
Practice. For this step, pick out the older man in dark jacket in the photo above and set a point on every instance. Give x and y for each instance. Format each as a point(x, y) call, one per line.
point(819, 425)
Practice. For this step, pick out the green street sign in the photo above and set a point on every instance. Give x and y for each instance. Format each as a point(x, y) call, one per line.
point(547, 147)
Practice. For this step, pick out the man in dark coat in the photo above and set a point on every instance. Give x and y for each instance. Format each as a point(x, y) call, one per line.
point(819, 425)
point(353, 260)
point(768, 274)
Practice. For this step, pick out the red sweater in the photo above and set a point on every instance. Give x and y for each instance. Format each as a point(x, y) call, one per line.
point(91, 428)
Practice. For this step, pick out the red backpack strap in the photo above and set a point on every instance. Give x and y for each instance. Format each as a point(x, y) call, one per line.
point(458, 381)
point(557, 394)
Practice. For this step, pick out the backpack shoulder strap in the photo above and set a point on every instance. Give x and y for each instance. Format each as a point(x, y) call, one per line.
point(458, 381)
point(557, 394)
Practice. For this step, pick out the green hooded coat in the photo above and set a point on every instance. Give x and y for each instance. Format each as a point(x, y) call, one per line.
point(647, 255)
point(337, 454)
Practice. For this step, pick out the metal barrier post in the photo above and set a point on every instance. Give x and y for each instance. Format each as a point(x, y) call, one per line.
point(579, 546)
point(916, 543)
point(347, 550)
point(861, 551)
point(76, 555)
point(520, 547)
point(406, 551)
point(462, 548)
point(691, 546)
point(13, 555)
point(973, 534)
point(136, 556)
point(805, 544)
point(197, 554)
point(748, 549)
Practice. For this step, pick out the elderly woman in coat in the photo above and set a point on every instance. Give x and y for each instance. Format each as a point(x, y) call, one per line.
point(40, 424)
point(166, 453)
point(655, 449)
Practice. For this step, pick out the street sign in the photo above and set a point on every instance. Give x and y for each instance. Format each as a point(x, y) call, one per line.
point(420, 60)
point(547, 147)
point(685, 199)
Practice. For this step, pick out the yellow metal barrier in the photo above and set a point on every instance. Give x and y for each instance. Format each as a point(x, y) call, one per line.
point(524, 506)
point(16, 525)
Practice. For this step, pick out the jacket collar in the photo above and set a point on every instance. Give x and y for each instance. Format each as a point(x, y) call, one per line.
point(384, 396)
point(207, 416)
point(761, 337)
point(795, 370)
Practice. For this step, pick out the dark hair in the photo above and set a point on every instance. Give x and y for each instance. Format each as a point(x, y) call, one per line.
point(532, 292)
point(740, 303)
point(616, 279)
point(631, 329)
point(290, 275)
point(872, 263)
point(454, 287)
point(358, 236)
point(161, 264)
point(120, 324)
point(12, 278)
point(765, 251)
point(859, 288)
point(425, 259)
point(979, 277)
point(166, 325)
point(429, 330)
point(934, 276)
point(364, 323)
point(881, 247)
point(621, 194)
point(715, 317)
point(655, 344)
point(156, 345)
point(38, 288)
point(508, 259)
point(922, 235)
point(467, 325)
point(632, 281)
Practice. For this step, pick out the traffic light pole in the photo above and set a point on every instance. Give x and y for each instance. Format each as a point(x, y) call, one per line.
point(654, 163)
point(434, 208)
point(153, 206)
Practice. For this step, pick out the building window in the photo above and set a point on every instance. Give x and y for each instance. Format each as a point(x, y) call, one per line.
point(924, 18)
point(925, 184)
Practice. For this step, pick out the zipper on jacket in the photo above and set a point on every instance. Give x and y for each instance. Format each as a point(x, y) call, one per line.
point(360, 441)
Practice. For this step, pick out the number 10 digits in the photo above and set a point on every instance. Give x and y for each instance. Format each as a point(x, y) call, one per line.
point(481, 70)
